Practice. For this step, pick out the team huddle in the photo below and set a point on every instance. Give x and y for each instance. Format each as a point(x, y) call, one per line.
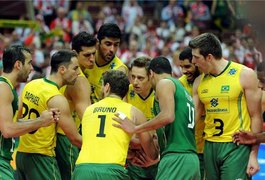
point(93, 117)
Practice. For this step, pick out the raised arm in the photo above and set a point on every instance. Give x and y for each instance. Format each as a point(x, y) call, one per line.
point(165, 90)
point(66, 121)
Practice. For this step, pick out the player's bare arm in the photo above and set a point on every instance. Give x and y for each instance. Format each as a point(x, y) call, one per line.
point(14, 129)
point(253, 99)
point(66, 121)
point(79, 94)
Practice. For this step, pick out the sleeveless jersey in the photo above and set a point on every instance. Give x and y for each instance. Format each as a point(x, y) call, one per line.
point(102, 142)
point(179, 135)
point(145, 105)
point(225, 104)
point(94, 76)
point(188, 86)
point(35, 96)
point(199, 127)
point(7, 145)
point(74, 113)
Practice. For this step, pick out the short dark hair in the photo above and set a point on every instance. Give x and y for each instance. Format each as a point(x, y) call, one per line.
point(61, 57)
point(118, 80)
point(11, 55)
point(186, 54)
point(207, 43)
point(141, 62)
point(109, 30)
point(160, 65)
point(83, 39)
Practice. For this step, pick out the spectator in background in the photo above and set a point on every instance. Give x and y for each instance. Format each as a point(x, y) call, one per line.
point(130, 11)
point(82, 25)
point(252, 56)
point(163, 30)
point(23, 32)
point(46, 9)
point(223, 13)
point(200, 14)
point(172, 12)
point(132, 53)
point(139, 29)
point(80, 10)
point(62, 24)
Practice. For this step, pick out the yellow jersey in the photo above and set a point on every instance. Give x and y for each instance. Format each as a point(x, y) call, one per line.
point(225, 104)
point(74, 113)
point(145, 105)
point(102, 142)
point(35, 96)
point(94, 76)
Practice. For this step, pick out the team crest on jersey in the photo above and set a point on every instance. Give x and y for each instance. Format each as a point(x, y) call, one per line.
point(132, 94)
point(214, 102)
point(112, 65)
point(232, 71)
point(225, 89)
point(204, 91)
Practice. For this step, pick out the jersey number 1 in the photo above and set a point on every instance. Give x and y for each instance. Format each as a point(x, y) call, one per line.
point(102, 126)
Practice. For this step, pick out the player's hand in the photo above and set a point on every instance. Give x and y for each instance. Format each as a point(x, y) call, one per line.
point(49, 116)
point(243, 137)
point(56, 114)
point(253, 166)
point(124, 123)
point(142, 160)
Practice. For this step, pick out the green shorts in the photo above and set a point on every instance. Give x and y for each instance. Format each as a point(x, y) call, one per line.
point(66, 156)
point(201, 160)
point(174, 166)
point(36, 166)
point(86, 171)
point(225, 160)
point(6, 171)
point(139, 173)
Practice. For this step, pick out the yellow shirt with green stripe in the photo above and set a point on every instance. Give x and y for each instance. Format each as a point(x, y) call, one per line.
point(145, 105)
point(102, 142)
point(94, 76)
point(74, 113)
point(225, 104)
point(35, 96)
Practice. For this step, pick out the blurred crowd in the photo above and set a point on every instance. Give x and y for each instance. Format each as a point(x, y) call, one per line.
point(173, 24)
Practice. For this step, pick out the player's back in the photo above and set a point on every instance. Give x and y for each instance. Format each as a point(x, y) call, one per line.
point(102, 142)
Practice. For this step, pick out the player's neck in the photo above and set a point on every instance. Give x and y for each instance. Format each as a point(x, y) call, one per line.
point(11, 77)
point(114, 96)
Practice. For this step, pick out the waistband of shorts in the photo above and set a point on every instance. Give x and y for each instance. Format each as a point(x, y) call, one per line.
point(117, 166)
